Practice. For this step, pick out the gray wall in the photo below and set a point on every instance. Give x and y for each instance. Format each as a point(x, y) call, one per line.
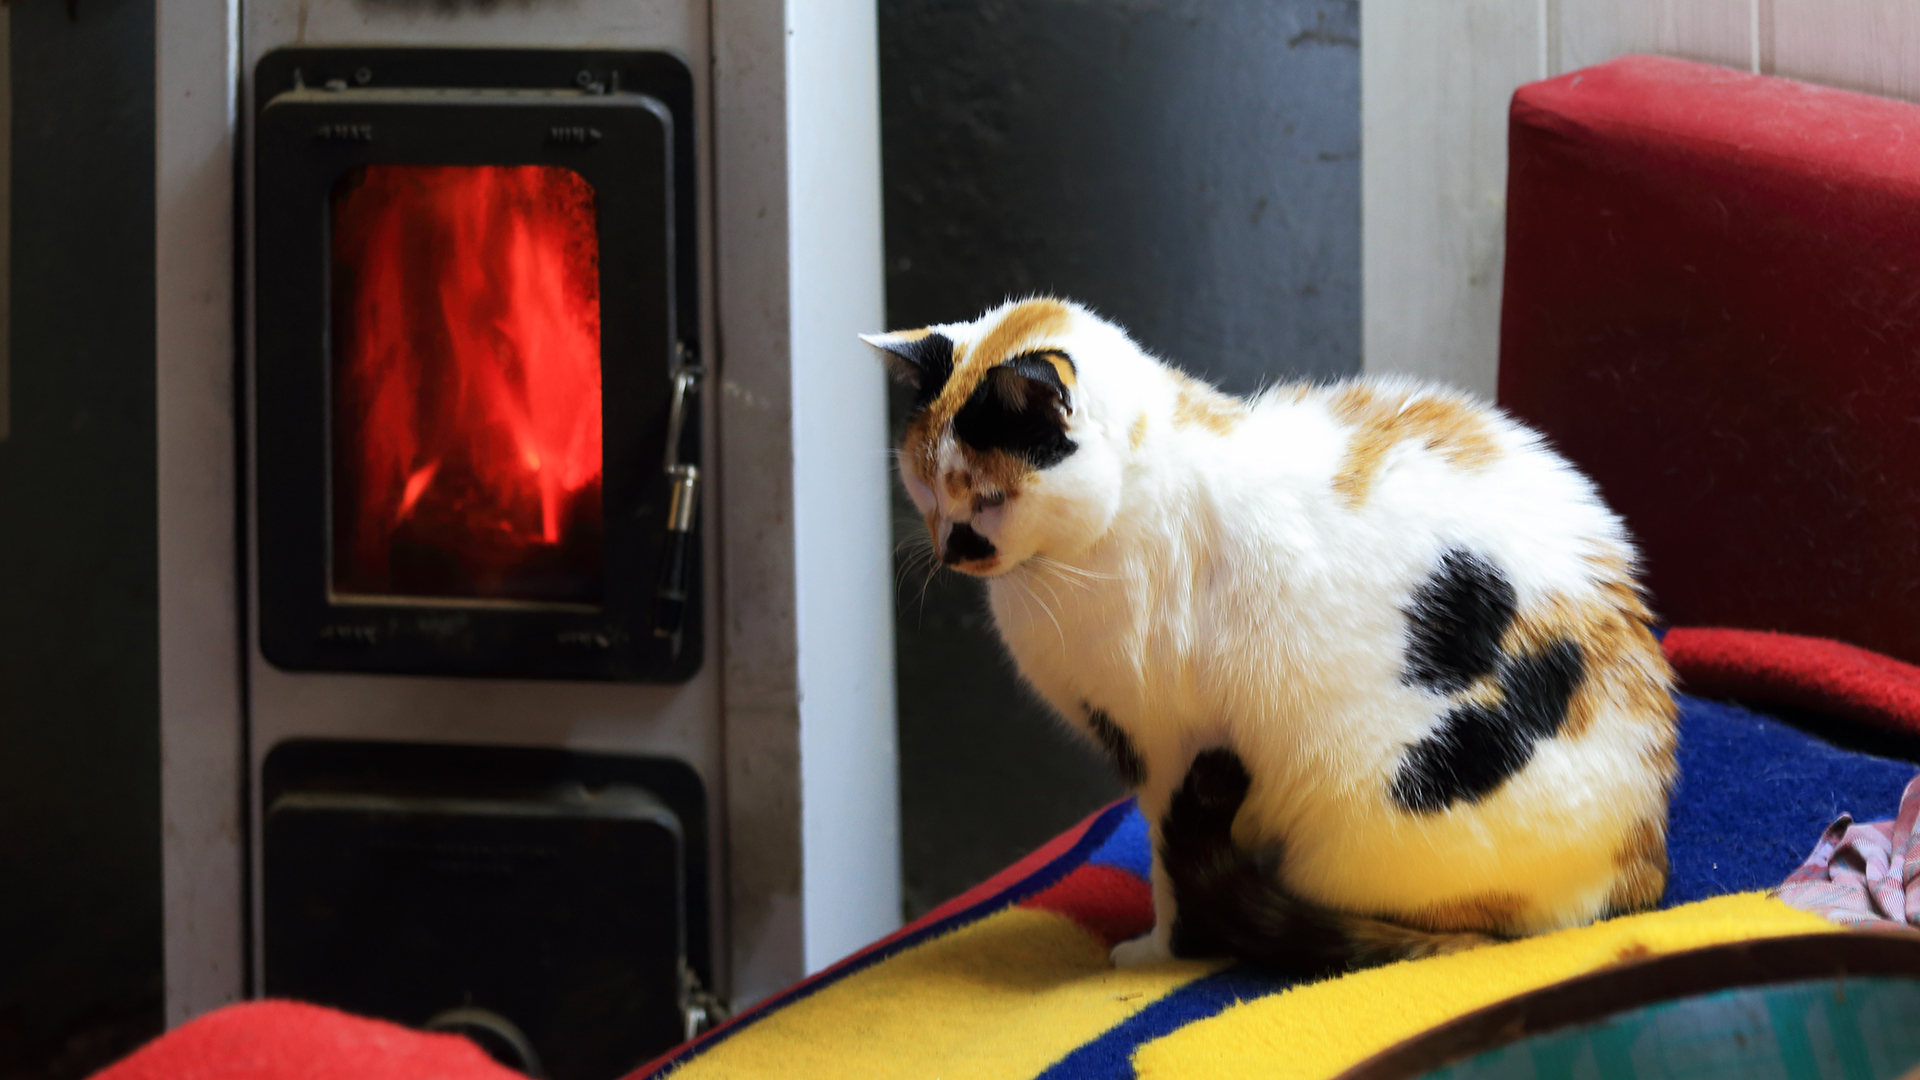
point(1190, 168)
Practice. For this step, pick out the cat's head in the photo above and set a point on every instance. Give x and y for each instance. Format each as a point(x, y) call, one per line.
point(1007, 453)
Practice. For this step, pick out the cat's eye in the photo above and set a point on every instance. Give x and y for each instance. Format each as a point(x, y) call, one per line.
point(991, 500)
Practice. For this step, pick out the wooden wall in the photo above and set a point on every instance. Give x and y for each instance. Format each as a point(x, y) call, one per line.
point(1434, 83)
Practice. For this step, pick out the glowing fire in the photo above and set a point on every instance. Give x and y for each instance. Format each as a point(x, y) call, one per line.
point(466, 408)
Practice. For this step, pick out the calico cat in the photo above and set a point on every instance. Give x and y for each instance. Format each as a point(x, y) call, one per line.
point(1371, 655)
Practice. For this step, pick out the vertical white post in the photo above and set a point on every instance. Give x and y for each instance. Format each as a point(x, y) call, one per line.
point(200, 717)
point(812, 778)
point(849, 780)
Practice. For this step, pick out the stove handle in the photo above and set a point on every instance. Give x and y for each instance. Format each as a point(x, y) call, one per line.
point(670, 599)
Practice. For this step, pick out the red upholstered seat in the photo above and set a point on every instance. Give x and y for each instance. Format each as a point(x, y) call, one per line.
point(1713, 305)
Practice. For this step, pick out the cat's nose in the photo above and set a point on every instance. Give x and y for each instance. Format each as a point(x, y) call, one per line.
point(965, 545)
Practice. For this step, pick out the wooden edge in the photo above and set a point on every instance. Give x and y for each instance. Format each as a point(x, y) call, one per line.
point(1598, 994)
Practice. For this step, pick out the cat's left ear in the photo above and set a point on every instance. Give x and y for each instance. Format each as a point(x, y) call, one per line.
point(1046, 377)
point(920, 359)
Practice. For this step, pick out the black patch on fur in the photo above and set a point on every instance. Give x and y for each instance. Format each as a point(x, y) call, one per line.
point(1119, 747)
point(1020, 407)
point(966, 545)
point(927, 364)
point(1230, 902)
point(1477, 747)
point(1455, 622)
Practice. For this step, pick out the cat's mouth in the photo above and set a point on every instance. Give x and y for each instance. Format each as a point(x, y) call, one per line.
point(983, 568)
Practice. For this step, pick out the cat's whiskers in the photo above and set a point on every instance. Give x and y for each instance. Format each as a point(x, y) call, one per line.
point(1054, 564)
point(1041, 571)
point(1056, 598)
point(1017, 582)
point(916, 550)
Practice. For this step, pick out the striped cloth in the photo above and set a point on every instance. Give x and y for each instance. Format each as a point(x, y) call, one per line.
point(1864, 875)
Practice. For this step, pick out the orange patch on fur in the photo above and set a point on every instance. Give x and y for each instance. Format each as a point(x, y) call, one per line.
point(1063, 367)
point(1621, 663)
point(1491, 913)
point(1207, 407)
point(1025, 325)
point(1377, 941)
point(1642, 862)
point(996, 470)
point(958, 484)
point(920, 449)
point(1138, 434)
point(1448, 426)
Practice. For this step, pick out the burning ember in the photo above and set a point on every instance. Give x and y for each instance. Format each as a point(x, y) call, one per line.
point(466, 383)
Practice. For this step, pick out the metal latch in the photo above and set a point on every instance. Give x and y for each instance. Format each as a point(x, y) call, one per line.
point(700, 1009)
point(670, 602)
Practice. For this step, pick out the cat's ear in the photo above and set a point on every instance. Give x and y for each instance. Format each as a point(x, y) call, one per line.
point(919, 359)
point(1045, 379)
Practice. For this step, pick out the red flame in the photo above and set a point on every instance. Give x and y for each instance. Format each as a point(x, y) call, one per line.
point(466, 409)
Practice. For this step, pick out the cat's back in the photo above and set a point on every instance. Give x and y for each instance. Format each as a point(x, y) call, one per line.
point(1379, 470)
point(1462, 632)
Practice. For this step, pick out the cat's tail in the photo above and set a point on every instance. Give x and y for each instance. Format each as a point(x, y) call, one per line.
point(1230, 903)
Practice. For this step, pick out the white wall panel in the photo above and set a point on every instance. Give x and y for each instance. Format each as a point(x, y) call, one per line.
point(1434, 83)
point(1594, 31)
point(1870, 45)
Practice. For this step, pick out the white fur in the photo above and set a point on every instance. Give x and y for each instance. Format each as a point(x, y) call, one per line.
point(1212, 589)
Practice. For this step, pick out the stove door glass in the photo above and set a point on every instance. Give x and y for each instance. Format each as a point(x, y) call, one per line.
point(466, 411)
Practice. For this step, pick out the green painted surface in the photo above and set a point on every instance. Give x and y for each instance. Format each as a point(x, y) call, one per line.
point(1830, 1029)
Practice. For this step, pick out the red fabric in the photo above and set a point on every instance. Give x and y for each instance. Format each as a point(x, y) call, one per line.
point(1041, 856)
point(1105, 899)
point(287, 1040)
point(1713, 305)
point(1808, 673)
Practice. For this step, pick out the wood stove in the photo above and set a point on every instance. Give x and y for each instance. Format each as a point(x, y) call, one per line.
point(478, 340)
point(477, 439)
point(377, 621)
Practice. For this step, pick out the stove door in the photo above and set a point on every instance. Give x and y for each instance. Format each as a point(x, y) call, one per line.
point(551, 930)
point(473, 310)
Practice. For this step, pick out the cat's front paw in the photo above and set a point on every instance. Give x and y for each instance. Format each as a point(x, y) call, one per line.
point(1145, 949)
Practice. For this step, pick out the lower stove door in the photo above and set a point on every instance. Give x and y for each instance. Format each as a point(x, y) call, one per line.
point(550, 930)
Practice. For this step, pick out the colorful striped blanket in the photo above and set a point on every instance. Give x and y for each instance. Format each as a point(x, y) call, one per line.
point(1012, 981)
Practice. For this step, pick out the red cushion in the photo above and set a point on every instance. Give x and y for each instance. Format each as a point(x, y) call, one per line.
point(1713, 305)
point(286, 1040)
point(1822, 676)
